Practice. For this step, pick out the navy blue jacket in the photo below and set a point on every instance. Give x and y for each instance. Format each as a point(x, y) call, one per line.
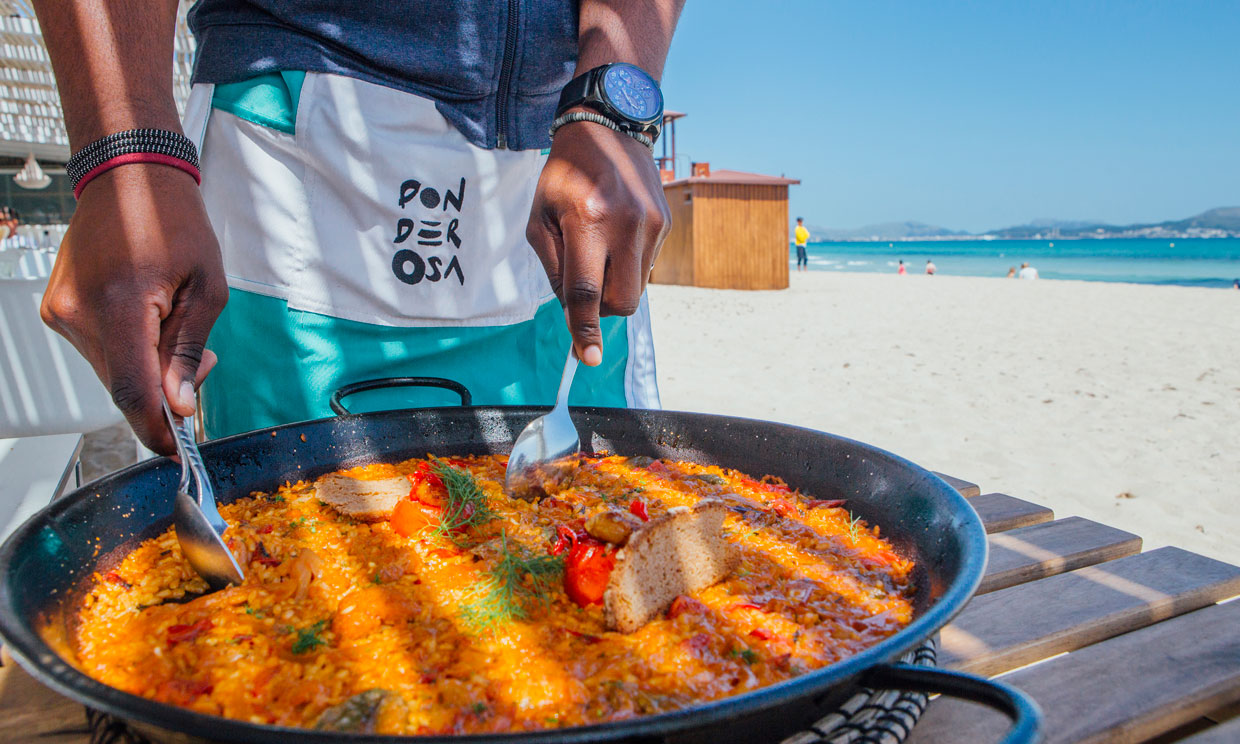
point(493, 67)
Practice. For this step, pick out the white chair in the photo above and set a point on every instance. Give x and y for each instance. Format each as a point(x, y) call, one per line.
point(49, 397)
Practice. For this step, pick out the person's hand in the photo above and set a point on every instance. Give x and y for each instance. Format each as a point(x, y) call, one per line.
point(136, 287)
point(597, 222)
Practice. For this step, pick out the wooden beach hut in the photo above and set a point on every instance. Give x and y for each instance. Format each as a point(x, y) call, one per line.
point(729, 231)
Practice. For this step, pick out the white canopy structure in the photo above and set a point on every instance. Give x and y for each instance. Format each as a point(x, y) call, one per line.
point(30, 115)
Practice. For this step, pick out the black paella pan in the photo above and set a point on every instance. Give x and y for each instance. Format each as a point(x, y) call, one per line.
point(46, 564)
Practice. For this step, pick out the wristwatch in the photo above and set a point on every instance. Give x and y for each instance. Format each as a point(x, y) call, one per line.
point(624, 94)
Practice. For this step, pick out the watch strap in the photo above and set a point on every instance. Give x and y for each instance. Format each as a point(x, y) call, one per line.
point(578, 90)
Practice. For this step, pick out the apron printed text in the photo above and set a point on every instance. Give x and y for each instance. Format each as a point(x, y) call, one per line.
point(437, 230)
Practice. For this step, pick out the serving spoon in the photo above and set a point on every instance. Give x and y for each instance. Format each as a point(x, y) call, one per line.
point(548, 437)
point(198, 522)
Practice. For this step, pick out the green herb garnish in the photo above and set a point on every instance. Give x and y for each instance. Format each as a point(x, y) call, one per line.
point(502, 596)
point(746, 655)
point(854, 524)
point(466, 505)
point(308, 638)
point(480, 708)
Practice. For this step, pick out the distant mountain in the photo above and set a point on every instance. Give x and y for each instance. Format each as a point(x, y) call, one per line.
point(885, 231)
point(1215, 223)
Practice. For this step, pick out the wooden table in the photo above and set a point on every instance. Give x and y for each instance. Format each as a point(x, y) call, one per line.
point(1116, 645)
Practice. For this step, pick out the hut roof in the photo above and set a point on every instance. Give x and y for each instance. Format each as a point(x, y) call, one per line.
point(736, 177)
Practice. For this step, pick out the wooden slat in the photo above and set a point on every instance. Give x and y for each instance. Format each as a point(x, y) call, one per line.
point(1031, 553)
point(1224, 733)
point(1000, 512)
point(1022, 624)
point(33, 713)
point(1126, 689)
point(966, 489)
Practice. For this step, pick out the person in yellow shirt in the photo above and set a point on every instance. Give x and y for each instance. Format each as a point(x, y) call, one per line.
point(801, 236)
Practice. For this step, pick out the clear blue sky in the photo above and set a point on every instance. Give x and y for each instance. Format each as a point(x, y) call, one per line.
point(969, 115)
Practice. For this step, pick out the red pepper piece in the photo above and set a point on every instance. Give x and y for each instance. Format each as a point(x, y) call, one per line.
point(586, 571)
point(566, 539)
point(116, 578)
point(266, 530)
point(638, 509)
point(783, 507)
point(262, 556)
point(180, 633)
point(762, 634)
point(424, 474)
point(825, 503)
point(744, 606)
point(583, 636)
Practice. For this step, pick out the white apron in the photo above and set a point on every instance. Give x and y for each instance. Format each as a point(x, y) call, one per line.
point(377, 210)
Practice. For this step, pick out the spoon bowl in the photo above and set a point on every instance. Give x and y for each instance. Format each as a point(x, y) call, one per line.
point(545, 439)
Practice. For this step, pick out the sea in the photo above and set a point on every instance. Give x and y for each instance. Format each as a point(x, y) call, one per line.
point(1190, 262)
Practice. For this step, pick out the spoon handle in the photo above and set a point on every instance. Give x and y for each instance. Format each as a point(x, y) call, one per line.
point(566, 380)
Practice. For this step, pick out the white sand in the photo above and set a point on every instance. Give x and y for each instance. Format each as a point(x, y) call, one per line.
point(1062, 393)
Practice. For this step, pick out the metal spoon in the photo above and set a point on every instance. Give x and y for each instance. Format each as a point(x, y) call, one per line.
point(546, 438)
point(198, 521)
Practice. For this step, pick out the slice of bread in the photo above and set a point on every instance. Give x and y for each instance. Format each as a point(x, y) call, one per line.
point(680, 552)
point(366, 500)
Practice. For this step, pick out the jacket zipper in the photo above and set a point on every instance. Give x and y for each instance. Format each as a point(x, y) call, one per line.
point(505, 74)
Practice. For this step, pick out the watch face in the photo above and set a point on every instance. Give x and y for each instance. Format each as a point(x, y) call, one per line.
point(633, 92)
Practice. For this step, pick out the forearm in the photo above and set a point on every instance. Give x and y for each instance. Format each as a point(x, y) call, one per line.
point(113, 64)
point(634, 31)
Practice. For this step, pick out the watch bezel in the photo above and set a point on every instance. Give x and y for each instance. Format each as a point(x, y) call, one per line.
point(605, 96)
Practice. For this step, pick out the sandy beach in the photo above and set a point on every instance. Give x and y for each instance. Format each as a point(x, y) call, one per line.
point(1114, 402)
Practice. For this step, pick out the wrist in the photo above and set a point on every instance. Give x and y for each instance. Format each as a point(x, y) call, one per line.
point(101, 124)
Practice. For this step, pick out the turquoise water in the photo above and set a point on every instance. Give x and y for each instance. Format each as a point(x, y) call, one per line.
point(1194, 262)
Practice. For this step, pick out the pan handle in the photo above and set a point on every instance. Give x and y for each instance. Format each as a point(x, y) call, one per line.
point(1025, 714)
point(390, 382)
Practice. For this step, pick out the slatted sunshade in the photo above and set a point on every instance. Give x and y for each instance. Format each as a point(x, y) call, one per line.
point(30, 116)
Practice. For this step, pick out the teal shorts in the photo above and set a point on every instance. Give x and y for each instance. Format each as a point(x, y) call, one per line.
point(278, 365)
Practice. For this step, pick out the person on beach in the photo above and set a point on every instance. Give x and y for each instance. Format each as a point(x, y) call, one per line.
point(385, 195)
point(1011, 272)
point(1027, 271)
point(930, 267)
point(901, 270)
point(800, 236)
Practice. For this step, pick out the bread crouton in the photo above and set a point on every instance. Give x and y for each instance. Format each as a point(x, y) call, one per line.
point(680, 552)
point(365, 500)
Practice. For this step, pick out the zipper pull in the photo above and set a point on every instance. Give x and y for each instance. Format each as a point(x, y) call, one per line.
point(501, 141)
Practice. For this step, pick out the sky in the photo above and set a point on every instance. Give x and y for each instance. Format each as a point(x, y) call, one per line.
point(967, 115)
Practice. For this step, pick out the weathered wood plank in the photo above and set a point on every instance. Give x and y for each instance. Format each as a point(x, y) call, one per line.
point(1000, 512)
point(31, 712)
point(1125, 689)
point(1227, 732)
point(1022, 624)
point(966, 489)
point(1031, 553)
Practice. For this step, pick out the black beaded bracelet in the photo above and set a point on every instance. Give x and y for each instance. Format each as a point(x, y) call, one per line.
point(158, 141)
point(599, 119)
